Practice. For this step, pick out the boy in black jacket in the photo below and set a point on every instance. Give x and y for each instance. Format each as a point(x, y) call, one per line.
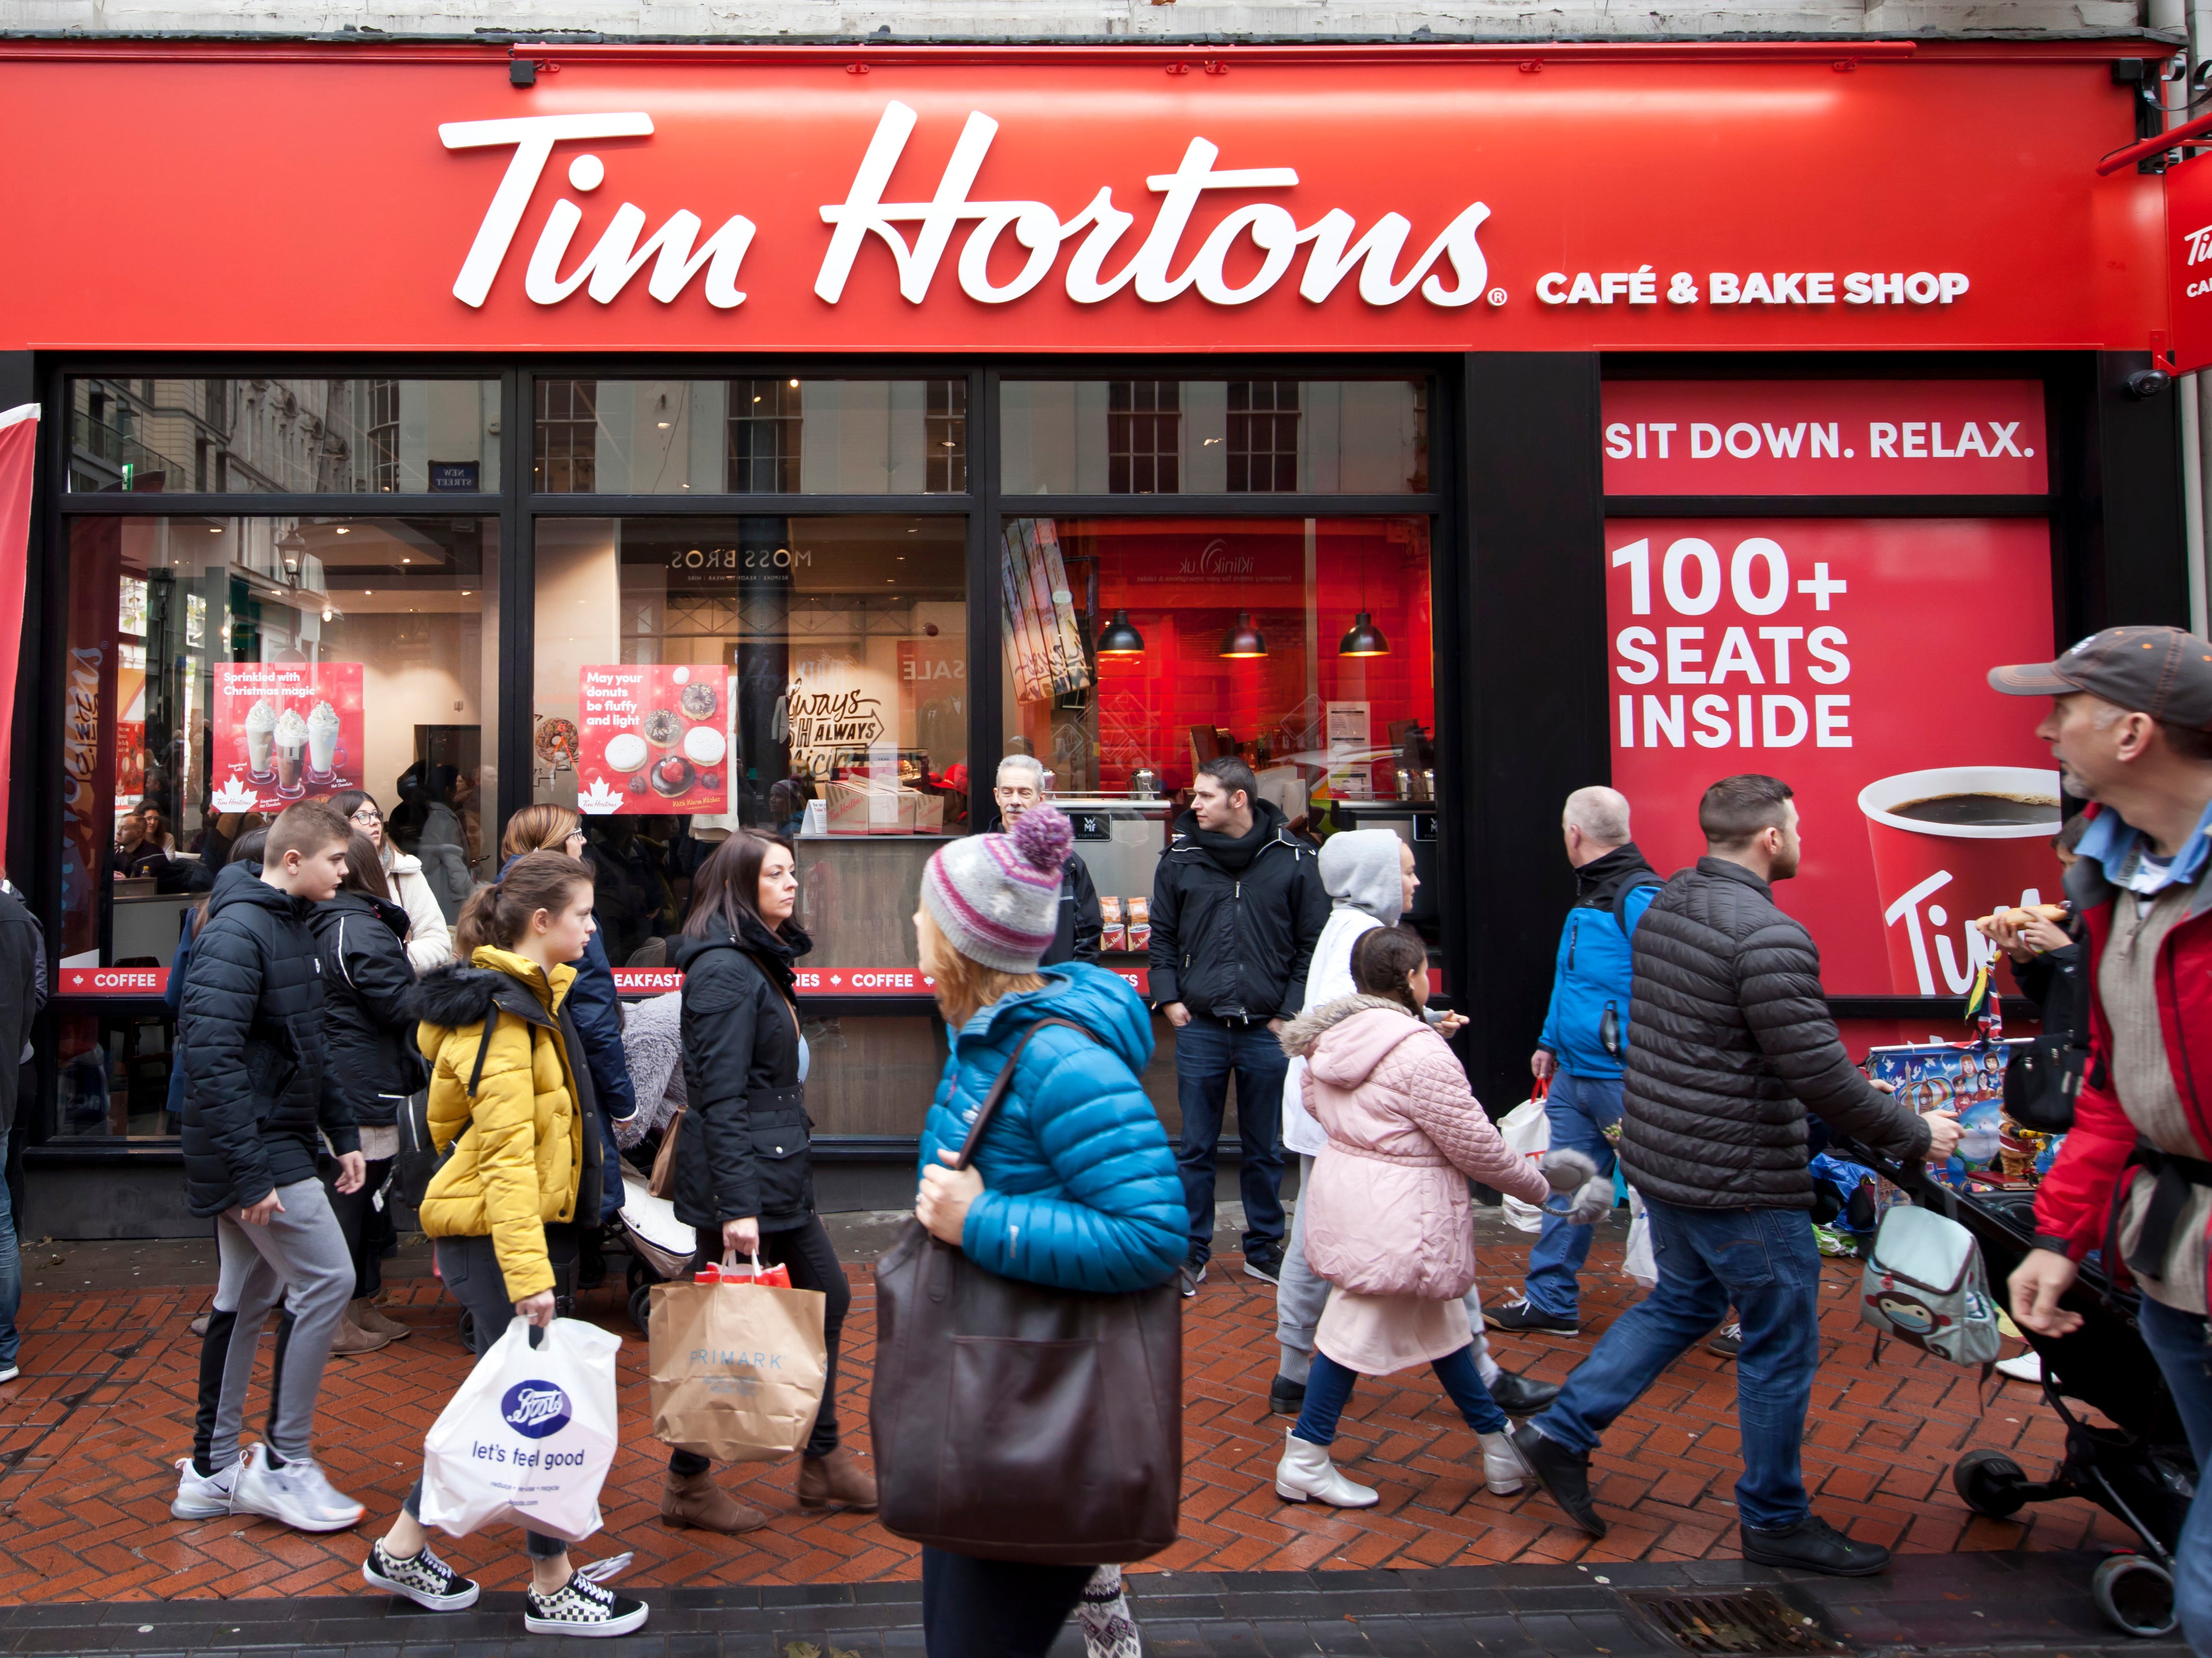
point(259, 1091)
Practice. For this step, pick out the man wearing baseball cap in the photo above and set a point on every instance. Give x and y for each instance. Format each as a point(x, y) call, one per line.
point(2131, 728)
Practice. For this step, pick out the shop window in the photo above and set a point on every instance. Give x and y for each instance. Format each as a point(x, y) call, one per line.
point(756, 436)
point(1263, 437)
point(1214, 437)
point(1135, 649)
point(767, 433)
point(264, 436)
point(215, 670)
point(803, 675)
point(567, 437)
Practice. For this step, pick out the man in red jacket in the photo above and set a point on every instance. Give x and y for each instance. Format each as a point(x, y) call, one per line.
point(2131, 728)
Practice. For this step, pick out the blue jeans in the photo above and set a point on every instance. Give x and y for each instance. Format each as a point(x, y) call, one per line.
point(2177, 1341)
point(11, 1279)
point(1206, 1051)
point(1580, 1110)
point(1763, 1261)
point(1330, 1386)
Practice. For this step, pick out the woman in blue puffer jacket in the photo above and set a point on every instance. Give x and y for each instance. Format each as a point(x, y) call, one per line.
point(1073, 1187)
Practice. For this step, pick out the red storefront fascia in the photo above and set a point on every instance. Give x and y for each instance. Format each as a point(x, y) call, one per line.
point(1882, 195)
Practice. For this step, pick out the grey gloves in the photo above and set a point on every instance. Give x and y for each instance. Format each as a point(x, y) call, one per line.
point(1574, 1171)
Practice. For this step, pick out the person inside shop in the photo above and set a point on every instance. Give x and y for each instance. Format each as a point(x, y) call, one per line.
point(429, 940)
point(1237, 907)
point(443, 843)
point(1579, 1056)
point(1020, 787)
point(744, 1179)
point(1734, 1045)
point(143, 845)
point(2130, 725)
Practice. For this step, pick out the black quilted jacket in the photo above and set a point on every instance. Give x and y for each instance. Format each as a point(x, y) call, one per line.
point(1734, 1045)
point(258, 1081)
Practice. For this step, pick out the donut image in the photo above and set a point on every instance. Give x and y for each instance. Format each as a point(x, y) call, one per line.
point(662, 728)
point(698, 700)
point(626, 752)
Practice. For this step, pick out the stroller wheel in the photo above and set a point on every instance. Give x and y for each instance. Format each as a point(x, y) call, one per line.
point(2136, 1594)
point(636, 1274)
point(1988, 1482)
point(468, 1329)
point(641, 1307)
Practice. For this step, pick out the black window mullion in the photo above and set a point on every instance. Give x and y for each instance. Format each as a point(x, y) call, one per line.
point(1231, 506)
point(518, 599)
point(743, 505)
point(161, 504)
point(986, 721)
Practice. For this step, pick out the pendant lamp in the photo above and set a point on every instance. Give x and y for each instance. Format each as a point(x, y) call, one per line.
point(1120, 637)
point(1366, 639)
point(1244, 640)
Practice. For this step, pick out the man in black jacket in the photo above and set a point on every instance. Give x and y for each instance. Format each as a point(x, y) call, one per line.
point(1237, 906)
point(1734, 1044)
point(259, 1092)
point(23, 991)
point(1021, 786)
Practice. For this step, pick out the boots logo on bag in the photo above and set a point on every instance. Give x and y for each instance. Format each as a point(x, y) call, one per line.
point(536, 1410)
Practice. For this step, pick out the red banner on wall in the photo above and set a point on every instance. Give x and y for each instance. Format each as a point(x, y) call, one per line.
point(1846, 658)
point(1825, 438)
point(19, 450)
point(2189, 262)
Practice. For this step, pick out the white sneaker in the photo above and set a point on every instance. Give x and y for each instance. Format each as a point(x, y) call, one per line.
point(1305, 1471)
point(7, 1372)
point(424, 1579)
point(1503, 1470)
point(2027, 1367)
point(204, 1496)
point(580, 1607)
point(299, 1494)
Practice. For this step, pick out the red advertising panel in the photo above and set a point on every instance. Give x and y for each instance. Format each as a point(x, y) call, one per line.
point(1726, 196)
point(2189, 262)
point(1847, 658)
point(284, 732)
point(653, 737)
point(1825, 438)
point(19, 449)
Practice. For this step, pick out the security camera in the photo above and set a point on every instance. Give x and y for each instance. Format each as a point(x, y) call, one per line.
point(2147, 383)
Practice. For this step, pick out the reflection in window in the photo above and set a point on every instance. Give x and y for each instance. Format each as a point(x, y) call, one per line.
point(1263, 437)
point(280, 436)
point(1143, 437)
point(765, 435)
point(945, 431)
point(567, 424)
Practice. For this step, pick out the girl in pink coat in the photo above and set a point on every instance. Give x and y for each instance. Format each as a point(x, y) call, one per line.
point(1388, 1223)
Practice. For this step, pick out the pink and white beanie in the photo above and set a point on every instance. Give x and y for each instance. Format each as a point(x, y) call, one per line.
point(996, 897)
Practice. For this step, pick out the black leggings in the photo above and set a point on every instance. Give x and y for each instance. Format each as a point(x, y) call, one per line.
point(974, 1608)
point(806, 1250)
point(365, 1226)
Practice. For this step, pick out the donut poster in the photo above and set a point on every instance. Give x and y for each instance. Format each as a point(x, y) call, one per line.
point(284, 732)
point(653, 738)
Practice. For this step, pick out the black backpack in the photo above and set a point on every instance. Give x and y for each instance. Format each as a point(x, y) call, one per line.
point(417, 1162)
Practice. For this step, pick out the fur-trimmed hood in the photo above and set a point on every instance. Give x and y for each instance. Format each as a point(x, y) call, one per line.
point(457, 994)
point(1342, 1041)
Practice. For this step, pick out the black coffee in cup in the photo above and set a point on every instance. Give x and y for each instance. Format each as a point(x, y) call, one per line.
point(1981, 810)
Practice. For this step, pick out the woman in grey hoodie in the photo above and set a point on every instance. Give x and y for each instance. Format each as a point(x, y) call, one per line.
point(1368, 877)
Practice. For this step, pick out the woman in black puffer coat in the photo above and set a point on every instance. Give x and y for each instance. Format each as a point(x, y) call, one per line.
point(368, 1029)
point(742, 1178)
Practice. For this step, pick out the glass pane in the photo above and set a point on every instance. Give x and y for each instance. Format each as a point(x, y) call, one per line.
point(751, 437)
point(1215, 437)
point(221, 668)
point(284, 436)
point(1135, 649)
point(873, 1075)
point(804, 675)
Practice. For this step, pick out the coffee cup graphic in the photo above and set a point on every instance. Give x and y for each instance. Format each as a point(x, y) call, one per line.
point(1949, 844)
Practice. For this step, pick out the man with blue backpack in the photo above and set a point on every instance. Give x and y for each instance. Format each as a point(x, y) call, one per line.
point(1585, 1038)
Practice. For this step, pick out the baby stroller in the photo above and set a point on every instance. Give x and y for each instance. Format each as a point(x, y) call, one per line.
point(2140, 1471)
point(660, 1246)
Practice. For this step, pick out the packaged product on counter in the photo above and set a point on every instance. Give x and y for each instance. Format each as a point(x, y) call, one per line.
point(1114, 938)
point(1140, 924)
point(1965, 1077)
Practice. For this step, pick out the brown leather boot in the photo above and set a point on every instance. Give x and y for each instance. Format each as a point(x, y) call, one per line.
point(836, 1481)
point(696, 1500)
point(366, 1314)
point(352, 1339)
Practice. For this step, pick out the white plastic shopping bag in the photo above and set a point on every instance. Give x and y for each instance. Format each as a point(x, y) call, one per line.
point(1641, 1263)
point(529, 1438)
point(1528, 1132)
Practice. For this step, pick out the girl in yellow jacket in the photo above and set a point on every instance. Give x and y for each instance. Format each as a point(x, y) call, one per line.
point(514, 1119)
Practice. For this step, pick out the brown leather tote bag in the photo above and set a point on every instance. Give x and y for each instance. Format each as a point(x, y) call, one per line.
point(1014, 1422)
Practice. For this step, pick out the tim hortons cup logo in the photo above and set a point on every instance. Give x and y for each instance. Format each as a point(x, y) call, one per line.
point(536, 1410)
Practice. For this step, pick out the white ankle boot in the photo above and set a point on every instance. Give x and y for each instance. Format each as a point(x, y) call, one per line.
point(1503, 1470)
point(1305, 1471)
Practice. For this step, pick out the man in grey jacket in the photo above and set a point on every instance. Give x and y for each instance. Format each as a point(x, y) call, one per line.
point(1734, 1044)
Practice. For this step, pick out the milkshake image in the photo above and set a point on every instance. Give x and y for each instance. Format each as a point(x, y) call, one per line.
point(260, 723)
point(322, 742)
point(291, 747)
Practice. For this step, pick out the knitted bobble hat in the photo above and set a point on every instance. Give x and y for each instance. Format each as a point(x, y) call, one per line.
point(996, 897)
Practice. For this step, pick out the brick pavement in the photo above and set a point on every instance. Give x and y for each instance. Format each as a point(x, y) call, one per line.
point(87, 1438)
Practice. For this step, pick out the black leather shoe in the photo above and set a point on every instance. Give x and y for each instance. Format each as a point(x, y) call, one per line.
point(1518, 1396)
point(1287, 1397)
point(1813, 1544)
point(1564, 1476)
